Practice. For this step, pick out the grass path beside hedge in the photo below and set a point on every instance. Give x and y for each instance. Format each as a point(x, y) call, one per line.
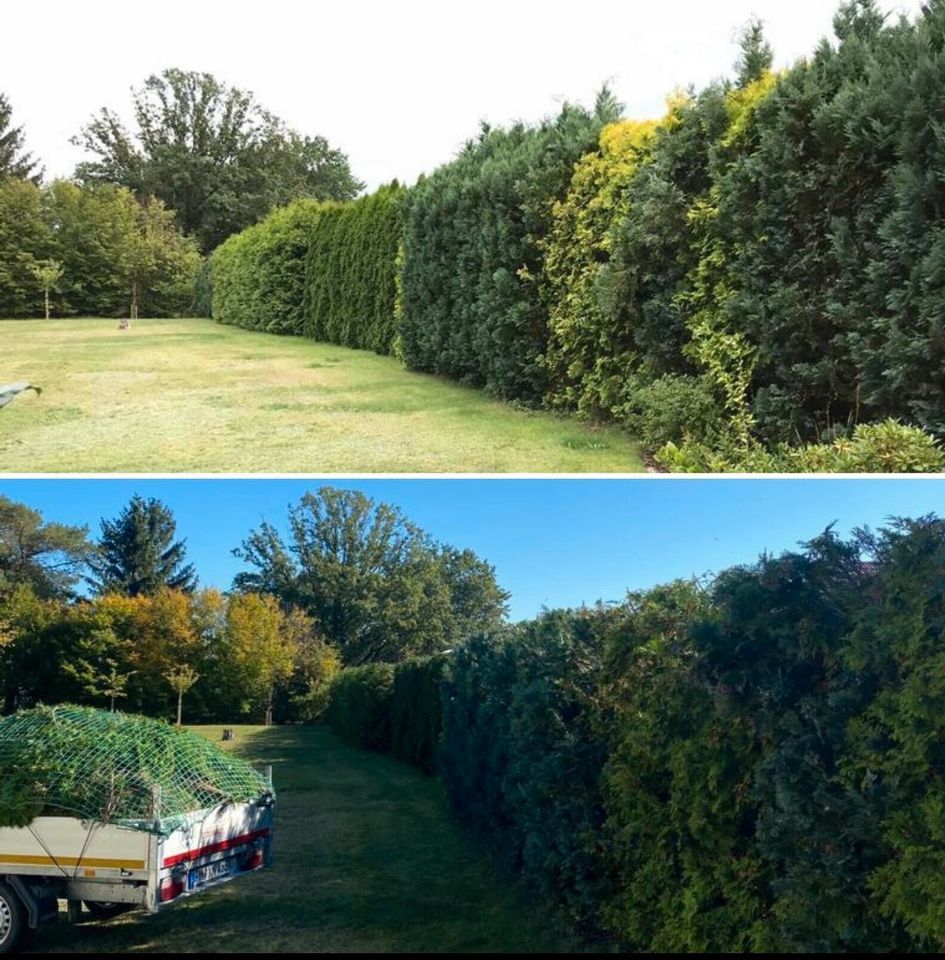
point(367, 859)
point(193, 395)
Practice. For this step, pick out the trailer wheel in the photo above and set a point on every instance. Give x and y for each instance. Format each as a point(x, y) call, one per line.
point(102, 910)
point(12, 919)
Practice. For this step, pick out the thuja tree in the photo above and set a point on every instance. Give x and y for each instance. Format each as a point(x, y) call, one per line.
point(895, 753)
point(583, 355)
point(259, 274)
point(829, 217)
point(351, 271)
point(473, 307)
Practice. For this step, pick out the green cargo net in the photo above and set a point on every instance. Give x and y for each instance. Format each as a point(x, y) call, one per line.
point(114, 768)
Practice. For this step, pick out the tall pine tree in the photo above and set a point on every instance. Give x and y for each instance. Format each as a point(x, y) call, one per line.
point(14, 162)
point(137, 553)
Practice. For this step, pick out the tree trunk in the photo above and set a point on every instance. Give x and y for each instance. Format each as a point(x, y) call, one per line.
point(180, 707)
point(47, 302)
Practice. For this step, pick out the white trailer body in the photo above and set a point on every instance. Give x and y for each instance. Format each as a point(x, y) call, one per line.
point(75, 860)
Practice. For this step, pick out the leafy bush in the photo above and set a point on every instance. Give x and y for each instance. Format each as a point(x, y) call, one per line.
point(259, 274)
point(887, 447)
point(359, 710)
point(674, 408)
point(350, 279)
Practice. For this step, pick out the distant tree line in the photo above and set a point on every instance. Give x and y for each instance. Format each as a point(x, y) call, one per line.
point(91, 251)
point(122, 621)
point(127, 233)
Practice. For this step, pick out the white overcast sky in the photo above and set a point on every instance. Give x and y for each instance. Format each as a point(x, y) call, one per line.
point(399, 86)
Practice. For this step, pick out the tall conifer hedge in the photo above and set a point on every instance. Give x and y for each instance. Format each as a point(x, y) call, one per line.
point(473, 307)
point(747, 765)
point(259, 274)
point(744, 284)
point(351, 272)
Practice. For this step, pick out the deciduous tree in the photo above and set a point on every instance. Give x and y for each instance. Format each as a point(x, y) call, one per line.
point(212, 154)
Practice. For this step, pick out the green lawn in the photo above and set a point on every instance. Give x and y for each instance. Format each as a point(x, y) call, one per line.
point(367, 858)
point(195, 396)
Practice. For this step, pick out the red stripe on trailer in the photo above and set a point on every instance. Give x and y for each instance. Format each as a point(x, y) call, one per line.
point(215, 847)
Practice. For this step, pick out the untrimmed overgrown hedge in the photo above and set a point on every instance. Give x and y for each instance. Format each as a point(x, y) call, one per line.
point(759, 272)
point(753, 764)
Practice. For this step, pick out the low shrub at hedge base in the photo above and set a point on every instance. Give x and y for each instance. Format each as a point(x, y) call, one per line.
point(887, 447)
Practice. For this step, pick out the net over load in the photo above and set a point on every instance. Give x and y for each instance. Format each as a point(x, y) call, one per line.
point(112, 768)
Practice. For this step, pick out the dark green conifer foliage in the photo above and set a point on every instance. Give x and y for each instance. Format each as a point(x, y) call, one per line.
point(137, 553)
point(756, 56)
point(351, 272)
point(742, 766)
point(14, 161)
point(472, 291)
point(416, 715)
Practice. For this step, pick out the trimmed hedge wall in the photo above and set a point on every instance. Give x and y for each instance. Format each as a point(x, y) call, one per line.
point(752, 765)
point(351, 271)
point(416, 716)
point(259, 274)
point(359, 708)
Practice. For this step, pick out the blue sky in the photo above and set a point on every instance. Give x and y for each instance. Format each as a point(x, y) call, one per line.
point(553, 542)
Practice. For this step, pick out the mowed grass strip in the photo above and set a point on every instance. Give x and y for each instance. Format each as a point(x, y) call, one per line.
point(367, 859)
point(195, 396)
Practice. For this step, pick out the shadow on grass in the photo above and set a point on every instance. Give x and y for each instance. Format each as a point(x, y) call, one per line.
point(367, 858)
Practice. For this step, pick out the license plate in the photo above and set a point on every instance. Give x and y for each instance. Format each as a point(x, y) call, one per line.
point(200, 876)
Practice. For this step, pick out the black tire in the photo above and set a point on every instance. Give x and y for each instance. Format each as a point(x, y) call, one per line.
point(12, 919)
point(105, 911)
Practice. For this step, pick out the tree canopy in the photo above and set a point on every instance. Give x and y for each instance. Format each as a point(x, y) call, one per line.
point(212, 154)
point(46, 557)
point(137, 553)
point(378, 588)
point(14, 160)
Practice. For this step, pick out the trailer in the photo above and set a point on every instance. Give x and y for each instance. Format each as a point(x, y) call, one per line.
point(112, 868)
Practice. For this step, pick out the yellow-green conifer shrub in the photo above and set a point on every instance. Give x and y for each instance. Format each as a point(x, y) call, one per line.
point(722, 354)
point(580, 362)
